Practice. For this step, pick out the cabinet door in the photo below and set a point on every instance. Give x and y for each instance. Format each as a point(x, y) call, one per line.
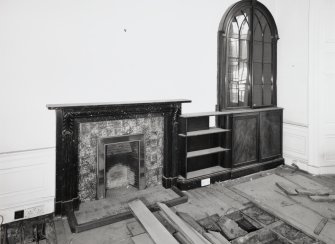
point(245, 139)
point(271, 134)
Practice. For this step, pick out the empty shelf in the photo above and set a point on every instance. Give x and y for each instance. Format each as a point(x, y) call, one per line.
point(213, 130)
point(206, 152)
point(206, 171)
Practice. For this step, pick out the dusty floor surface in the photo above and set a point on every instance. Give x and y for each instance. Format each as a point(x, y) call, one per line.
point(297, 216)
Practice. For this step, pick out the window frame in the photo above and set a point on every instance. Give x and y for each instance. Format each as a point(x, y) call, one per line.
point(222, 39)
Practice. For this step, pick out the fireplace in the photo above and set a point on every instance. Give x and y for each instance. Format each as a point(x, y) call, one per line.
point(108, 146)
point(120, 163)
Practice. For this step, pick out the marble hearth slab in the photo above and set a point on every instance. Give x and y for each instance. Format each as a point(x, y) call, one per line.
point(117, 199)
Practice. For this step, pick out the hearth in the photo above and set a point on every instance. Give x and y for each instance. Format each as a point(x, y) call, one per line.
point(120, 163)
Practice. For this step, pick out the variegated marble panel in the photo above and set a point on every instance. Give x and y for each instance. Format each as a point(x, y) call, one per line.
point(152, 127)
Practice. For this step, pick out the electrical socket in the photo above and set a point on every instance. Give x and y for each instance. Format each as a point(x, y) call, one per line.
point(206, 182)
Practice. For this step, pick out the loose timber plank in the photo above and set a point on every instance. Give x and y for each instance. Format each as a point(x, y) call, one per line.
point(286, 188)
point(179, 236)
point(188, 219)
point(219, 237)
point(320, 226)
point(330, 198)
point(306, 182)
point(142, 239)
point(262, 192)
point(156, 230)
point(309, 192)
point(185, 229)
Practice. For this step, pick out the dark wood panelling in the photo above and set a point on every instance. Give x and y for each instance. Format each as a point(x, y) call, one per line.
point(245, 139)
point(187, 184)
point(270, 134)
point(202, 142)
point(197, 123)
point(202, 162)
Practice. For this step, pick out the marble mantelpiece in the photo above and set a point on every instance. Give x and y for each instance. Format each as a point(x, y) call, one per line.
point(70, 118)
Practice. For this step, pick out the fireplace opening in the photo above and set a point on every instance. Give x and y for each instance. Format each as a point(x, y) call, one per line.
point(120, 164)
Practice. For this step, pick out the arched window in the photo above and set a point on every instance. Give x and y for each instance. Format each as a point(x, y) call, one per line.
point(247, 60)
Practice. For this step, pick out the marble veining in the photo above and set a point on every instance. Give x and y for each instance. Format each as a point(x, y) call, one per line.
point(151, 126)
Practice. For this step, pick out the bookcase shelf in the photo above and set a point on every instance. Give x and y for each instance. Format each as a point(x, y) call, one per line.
point(203, 152)
point(202, 148)
point(206, 172)
point(212, 130)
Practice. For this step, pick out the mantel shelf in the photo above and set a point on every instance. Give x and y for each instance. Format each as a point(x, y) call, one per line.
point(206, 152)
point(212, 130)
point(80, 106)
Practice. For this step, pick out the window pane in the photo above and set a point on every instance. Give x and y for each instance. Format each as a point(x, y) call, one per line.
point(233, 29)
point(245, 28)
point(233, 94)
point(233, 48)
point(267, 73)
point(243, 95)
point(258, 52)
point(238, 60)
point(244, 50)
point(233, 71)
point(258, 36)
point(257, 75)
point(257, 95)
point(267, 34)
point(262, 59)
point(267, 53)
point(267, 93)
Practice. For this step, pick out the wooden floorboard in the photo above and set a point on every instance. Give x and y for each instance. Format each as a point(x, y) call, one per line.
point(117, 203)
point(187, 231)
point(155, 229)
point(263, 192)
point(225, 195)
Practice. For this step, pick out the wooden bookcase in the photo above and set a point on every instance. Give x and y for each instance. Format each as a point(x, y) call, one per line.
point(244, 141)
point(202, 148)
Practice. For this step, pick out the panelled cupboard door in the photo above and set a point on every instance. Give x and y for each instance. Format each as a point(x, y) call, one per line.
point(245, 139)
point(271, 134)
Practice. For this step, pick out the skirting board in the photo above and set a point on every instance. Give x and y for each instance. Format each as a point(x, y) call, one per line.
point(31, 210)
point(27, 182)
point(305, 166)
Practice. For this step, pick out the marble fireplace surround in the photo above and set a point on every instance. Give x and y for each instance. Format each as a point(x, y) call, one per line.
point(152, 129)
point(75, 173)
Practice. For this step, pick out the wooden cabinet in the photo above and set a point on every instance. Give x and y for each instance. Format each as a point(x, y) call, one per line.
point(271, 134)
point(243, 142)
point(245, 139)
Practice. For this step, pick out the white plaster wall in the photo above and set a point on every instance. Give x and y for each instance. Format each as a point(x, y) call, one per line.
point(97, 51)
point(293, 78)
point(92, 51)
point(322, 85)
point(293, 25)
point(306, 81)
point(118, 50)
